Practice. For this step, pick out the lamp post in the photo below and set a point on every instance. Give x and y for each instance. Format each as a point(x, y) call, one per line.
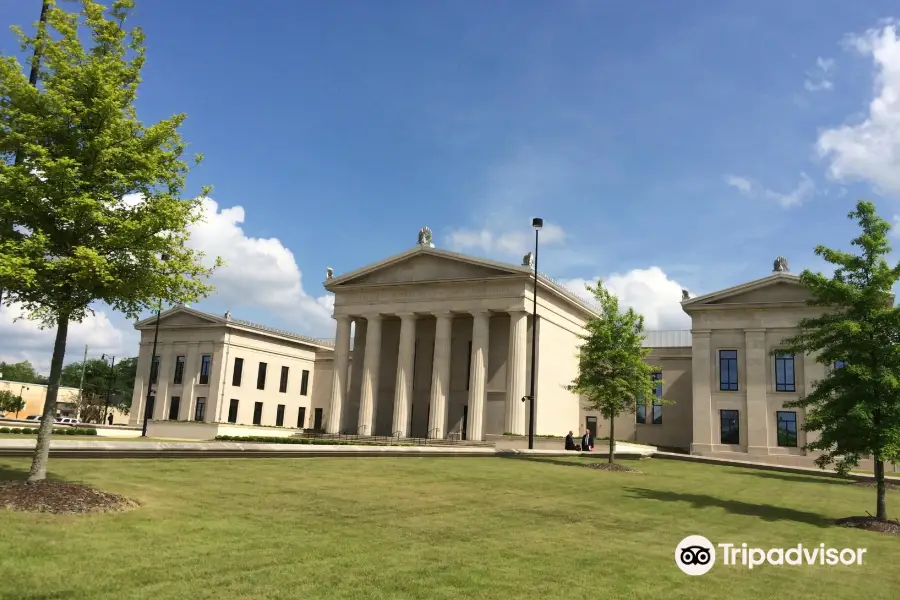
point(150, 382)
point(112, 376)
point(537, 223)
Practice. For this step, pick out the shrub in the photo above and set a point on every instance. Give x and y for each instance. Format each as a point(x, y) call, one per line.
point(31, 431)
point(16, 430)
point(4, 429)
point(90, 431)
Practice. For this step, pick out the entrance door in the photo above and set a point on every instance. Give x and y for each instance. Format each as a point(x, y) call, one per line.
point(465, 427)
point(591, 423)
point(317, 419)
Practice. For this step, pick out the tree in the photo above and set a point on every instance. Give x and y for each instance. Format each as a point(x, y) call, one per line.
point(613, 374)
point(22, 371)
point(856, 407)
point(91, 211)
point(11, 403)
point(100, 378)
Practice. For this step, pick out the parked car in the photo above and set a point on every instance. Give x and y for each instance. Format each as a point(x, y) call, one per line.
point(67, 421)
point(34, 418)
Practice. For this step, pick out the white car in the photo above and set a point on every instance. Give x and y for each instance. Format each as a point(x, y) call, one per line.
point(67, 421)
point(34, 418)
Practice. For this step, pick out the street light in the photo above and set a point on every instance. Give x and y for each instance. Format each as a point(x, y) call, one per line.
point(537, 223)
point(150, 382)
point(112, 376)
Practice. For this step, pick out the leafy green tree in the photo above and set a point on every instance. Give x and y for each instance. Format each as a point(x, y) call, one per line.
point(10, 402)
point(100, 378)
point(856, 407)
point(92, 209)
point(21, 371)
point(613, 374)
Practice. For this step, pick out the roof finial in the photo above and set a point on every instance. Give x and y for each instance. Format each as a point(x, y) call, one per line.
point(685, 295)
point(781, 265)
point(528, 260)
point(425, 237)
point(329, 273)
point(227, 315)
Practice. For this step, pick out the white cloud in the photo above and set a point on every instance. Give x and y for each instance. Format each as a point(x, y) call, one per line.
point(23, 339)
point(804, 189)
point(870, 149)
point(504, 241)
point(820, 78)
point(649, 291)
point(259, 272)
point(742, 184)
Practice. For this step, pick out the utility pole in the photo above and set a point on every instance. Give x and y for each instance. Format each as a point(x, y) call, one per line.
point(112, 376)
point(81, 383)
point(33, 76)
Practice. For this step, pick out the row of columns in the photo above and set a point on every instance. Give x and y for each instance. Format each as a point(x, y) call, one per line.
point(514, 420)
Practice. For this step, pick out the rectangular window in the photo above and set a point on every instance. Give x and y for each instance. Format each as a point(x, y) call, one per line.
point(238, 372)
point(282, 385)
point(261, 376)
point(640, 412)
point(304, 383)
point(657, 406)
point(840, 364)
point(154, 370)
point(257, 413)
point(728, 370)
point(179, 370)
point(174, 405)
point(205, 368)
point(301, 418)
point(784, 373)
point(279, 416)
point(233, 410)
point(787, 428)
point(200, 409)
point(468, 364)
point(730, 426)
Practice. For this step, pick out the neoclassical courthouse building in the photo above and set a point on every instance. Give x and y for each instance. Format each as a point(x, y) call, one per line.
point(432, 343)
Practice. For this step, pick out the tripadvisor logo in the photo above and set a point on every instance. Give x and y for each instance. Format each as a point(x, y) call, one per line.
point(696, 555)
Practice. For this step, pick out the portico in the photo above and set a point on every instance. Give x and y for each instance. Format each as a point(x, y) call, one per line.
point(441, 347)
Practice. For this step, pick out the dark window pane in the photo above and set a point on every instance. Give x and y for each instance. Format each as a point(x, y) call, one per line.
point(282, 385)
point(657, 413)
point(784, 373)
point(640, 413)
point(200, 409)
point(261, 376)
point(174, 405)
point(787, 428)
point(205, 368)
point(257, 413)
point(233, 410)
point(154, 370)
point(279, 416)
point(728, 370)
point(238, 371)
point(301, 418)
point(304, 383)
point(179, 370)
point(730, 424)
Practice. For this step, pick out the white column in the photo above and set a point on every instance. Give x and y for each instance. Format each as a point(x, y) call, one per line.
point(405, 366)
point(371, 366)
point(339, 378)
point(191, 373)
point(166, 359)
point(477, 389)
point(757, 359)
point(701, 376)
point(440, 376)
point(516, 370)
point(141, 379)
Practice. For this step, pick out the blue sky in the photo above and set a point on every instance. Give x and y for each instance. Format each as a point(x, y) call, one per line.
point(342, 128)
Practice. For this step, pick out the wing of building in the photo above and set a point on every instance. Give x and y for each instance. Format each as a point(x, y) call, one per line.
point(432, 343)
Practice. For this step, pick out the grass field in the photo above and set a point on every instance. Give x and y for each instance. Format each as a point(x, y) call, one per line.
point(433, 528)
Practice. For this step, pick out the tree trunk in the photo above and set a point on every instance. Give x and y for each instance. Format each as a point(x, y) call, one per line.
point(612, 440)
point(880, 505)
point(42, 449)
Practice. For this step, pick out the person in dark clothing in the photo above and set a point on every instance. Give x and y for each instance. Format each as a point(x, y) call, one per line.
point(570, 442)
point(110, 419)
point(587, 441)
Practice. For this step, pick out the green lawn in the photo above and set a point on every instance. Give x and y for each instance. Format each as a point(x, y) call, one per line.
point(433, 528)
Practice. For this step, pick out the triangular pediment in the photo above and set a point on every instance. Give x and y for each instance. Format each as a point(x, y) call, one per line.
point(426, 265)
point(780, 288)
point(180, 316)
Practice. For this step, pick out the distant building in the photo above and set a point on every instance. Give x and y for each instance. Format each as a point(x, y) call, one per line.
point(35, 394)
point(442, 348)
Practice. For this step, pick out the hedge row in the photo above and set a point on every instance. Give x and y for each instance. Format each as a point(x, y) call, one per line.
point(56, 431)
point(261, 439)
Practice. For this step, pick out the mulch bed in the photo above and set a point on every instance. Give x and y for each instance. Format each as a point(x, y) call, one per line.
point(58, 497)
point(611, 467)
point(871, 524)
point(872, 484)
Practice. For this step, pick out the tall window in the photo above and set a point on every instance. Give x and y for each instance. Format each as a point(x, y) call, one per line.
point(174, 405)
point(840, 364)
point(657, 393)
point(257, 413)
point(640, 411)
point(282, 385)
point(200, 409)
point(728, 370)
point(730, 426)
point(261, 376)
point(304, 383)
point(279, 416)
point(154, 370)
point(238, 372)
point(205, 368)
point(179, 370)
point(784, 372)
point(233, 410)
point(301, 418)
point(787, 428)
